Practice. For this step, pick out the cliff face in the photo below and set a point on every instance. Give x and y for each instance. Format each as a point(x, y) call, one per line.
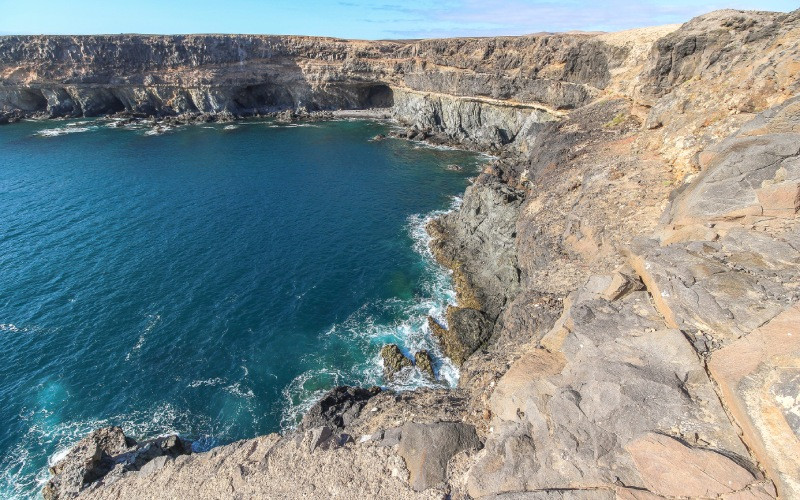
point(484, 92)
point(627, 269)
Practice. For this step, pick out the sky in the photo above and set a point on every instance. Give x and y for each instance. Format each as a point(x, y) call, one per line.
point(365, 19)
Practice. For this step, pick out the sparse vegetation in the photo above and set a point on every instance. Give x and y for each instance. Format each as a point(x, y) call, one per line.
point(616, 121)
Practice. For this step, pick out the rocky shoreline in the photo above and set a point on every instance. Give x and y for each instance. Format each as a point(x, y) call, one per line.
point(627, 270)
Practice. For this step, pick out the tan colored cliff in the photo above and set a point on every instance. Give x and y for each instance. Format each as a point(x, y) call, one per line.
point(633, 259)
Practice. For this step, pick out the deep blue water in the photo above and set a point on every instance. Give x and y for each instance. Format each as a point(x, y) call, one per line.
point(210, 281)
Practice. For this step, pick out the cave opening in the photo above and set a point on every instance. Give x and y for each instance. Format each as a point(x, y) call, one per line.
point(31, 100)
point(262, 98)
point(379, 96)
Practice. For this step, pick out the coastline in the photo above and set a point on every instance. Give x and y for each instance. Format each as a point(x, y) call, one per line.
point(418, 239)
point(588, 366)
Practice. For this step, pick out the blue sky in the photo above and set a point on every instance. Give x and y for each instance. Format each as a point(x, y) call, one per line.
point(371, 19)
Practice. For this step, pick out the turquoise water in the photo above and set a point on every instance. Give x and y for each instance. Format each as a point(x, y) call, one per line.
point(211, 281)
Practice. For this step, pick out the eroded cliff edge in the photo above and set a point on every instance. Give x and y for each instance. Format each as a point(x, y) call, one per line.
point(627, 270)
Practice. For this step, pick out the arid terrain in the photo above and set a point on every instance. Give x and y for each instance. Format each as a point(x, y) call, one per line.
point(627, 269)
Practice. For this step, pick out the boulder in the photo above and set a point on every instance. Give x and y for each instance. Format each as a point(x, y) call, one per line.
point(393, 360)
point(317, 437)
point(90, 459)
point(427, 448)
point(424, 363)
point(108, 452)
point(168, 446)
point(340, 406)
point(621, 284)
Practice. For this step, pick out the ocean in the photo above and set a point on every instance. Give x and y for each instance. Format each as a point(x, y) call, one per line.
point(212, 280)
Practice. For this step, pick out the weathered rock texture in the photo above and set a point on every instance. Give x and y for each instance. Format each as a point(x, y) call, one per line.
point(626, 270)
point(106, 454)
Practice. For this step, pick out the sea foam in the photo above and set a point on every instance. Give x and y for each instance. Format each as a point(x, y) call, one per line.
point(410, 331)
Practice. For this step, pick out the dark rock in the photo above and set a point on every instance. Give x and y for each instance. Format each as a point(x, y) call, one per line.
point(393, 360)
point(169, 446)
point(10, 117)
point(478, 243)
point(323, 438)
point(379, 137)
point(154, 465)
point(454, 168)
point(424, 362)
point(338, 407)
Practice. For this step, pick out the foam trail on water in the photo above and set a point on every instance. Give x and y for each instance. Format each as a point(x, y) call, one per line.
point(55, 132)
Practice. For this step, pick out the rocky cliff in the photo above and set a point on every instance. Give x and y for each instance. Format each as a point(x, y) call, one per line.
point(628, 269)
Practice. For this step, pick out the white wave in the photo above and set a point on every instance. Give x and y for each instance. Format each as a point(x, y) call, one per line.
point(158, 131)
point(55, 132)
point(237, 390)
point(211, 382)
point(299, 398)
point(152, 321)
point(230, 127)
point(409, 331)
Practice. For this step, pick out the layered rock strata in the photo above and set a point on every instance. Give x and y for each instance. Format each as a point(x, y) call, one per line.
point(626, 270)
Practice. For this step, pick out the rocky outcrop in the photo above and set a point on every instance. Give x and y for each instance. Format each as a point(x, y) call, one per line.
point(468, 329)
point(626, 269)
point(608, 382)
point(393, 360)
point(720, 298)
point(424, 362)
point(272, 467)
point(480, 123)
point(106, 455)
point(338, 407)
